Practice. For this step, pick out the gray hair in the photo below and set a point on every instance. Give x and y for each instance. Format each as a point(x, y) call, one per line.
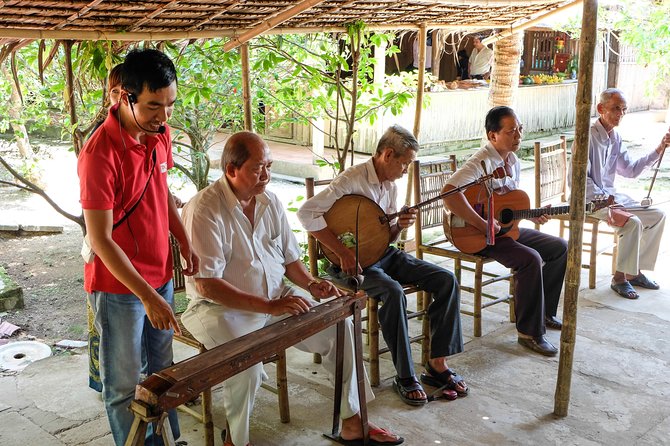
point(606, 95)
point(399, 139)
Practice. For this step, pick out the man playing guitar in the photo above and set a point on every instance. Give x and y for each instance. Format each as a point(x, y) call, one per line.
point(375, 180)
point(538, 260)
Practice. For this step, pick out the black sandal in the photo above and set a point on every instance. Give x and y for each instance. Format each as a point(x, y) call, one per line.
point(447, 380)
point(405, 386)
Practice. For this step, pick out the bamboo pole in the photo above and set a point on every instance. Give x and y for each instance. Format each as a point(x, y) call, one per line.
point(266, 25)
point(93, 35)
point(580, 149)
point(246, 87)
point(419, 87)
point(515, 29)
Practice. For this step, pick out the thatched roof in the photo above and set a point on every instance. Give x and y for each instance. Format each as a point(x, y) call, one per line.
point(175, 19)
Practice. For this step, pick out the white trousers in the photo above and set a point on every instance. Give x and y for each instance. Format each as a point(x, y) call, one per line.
point(639, 239)
point(212, 325)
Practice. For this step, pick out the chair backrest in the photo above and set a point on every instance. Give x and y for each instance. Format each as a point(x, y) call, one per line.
point(313, 247)
point(177, 274)
point(428, 183)
point(551, 165)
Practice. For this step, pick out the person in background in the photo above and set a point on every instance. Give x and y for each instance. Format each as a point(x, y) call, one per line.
point(129, 214)
point(480, 60)
point(640, 235)
point(462, 64)
point(247, 248)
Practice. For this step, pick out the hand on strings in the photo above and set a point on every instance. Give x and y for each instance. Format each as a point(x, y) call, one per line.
point(289, 305)
point(324, 289)
point(407, 217)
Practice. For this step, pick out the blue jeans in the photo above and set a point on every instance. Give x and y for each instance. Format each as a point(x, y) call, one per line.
point(125, 331)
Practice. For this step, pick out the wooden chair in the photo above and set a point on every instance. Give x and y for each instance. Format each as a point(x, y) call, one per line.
point(371, 318)
point(429, 179)
point(205, 416)
point(551, 187)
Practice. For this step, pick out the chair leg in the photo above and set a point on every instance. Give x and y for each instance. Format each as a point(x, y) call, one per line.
point(512, 302)
point(282, 389)
point(207, 421)
point(207, 417)
point(373, 336)
point(479, 269)
point(426, 299)
point(593, 256)
point(615, 252)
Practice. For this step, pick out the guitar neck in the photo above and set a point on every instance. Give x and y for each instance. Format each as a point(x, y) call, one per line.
point(522, 214)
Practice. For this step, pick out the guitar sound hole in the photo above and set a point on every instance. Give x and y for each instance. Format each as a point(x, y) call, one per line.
point(506, 216)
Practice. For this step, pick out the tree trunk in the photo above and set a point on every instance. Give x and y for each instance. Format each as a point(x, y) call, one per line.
point(505, 70)
point(15, 107)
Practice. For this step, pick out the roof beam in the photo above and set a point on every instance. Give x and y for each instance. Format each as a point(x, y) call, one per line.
point(27, 33)
point(267, 25)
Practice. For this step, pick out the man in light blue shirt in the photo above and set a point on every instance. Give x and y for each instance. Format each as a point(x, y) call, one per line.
point(640, 236)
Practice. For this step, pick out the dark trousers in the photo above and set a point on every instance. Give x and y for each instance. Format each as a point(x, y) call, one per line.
point(539, 262)
point(383, 282)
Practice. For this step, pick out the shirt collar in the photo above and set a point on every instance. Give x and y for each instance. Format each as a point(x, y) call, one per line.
point(372, 173)
point(601, 131)
point(230, 199)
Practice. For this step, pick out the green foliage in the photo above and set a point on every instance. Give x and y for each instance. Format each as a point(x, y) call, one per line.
point(308, 77)
point(645, 25)
point(210, 98)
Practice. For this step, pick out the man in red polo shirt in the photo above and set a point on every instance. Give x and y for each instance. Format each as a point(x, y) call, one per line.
point(129, 213)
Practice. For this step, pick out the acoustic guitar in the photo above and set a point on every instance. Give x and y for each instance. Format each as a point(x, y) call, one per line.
point(360, 224)
point(508, 208)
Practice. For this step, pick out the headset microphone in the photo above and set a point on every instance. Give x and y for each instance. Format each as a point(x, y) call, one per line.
point(133, 99)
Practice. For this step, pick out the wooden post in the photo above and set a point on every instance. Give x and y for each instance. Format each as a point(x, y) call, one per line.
point(420, 86)
point(246, 87)
point(613, 60)
point(579, 160)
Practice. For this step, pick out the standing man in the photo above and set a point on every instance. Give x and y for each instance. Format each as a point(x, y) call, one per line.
point(247, 247)
point(640, 236)
point(481, 60)
point(375, 180)
point(538, 259)
point(129, 214)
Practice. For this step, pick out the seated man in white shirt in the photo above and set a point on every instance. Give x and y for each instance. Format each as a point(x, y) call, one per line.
point(640, 236)
point(375, 179)
point(247, 247)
